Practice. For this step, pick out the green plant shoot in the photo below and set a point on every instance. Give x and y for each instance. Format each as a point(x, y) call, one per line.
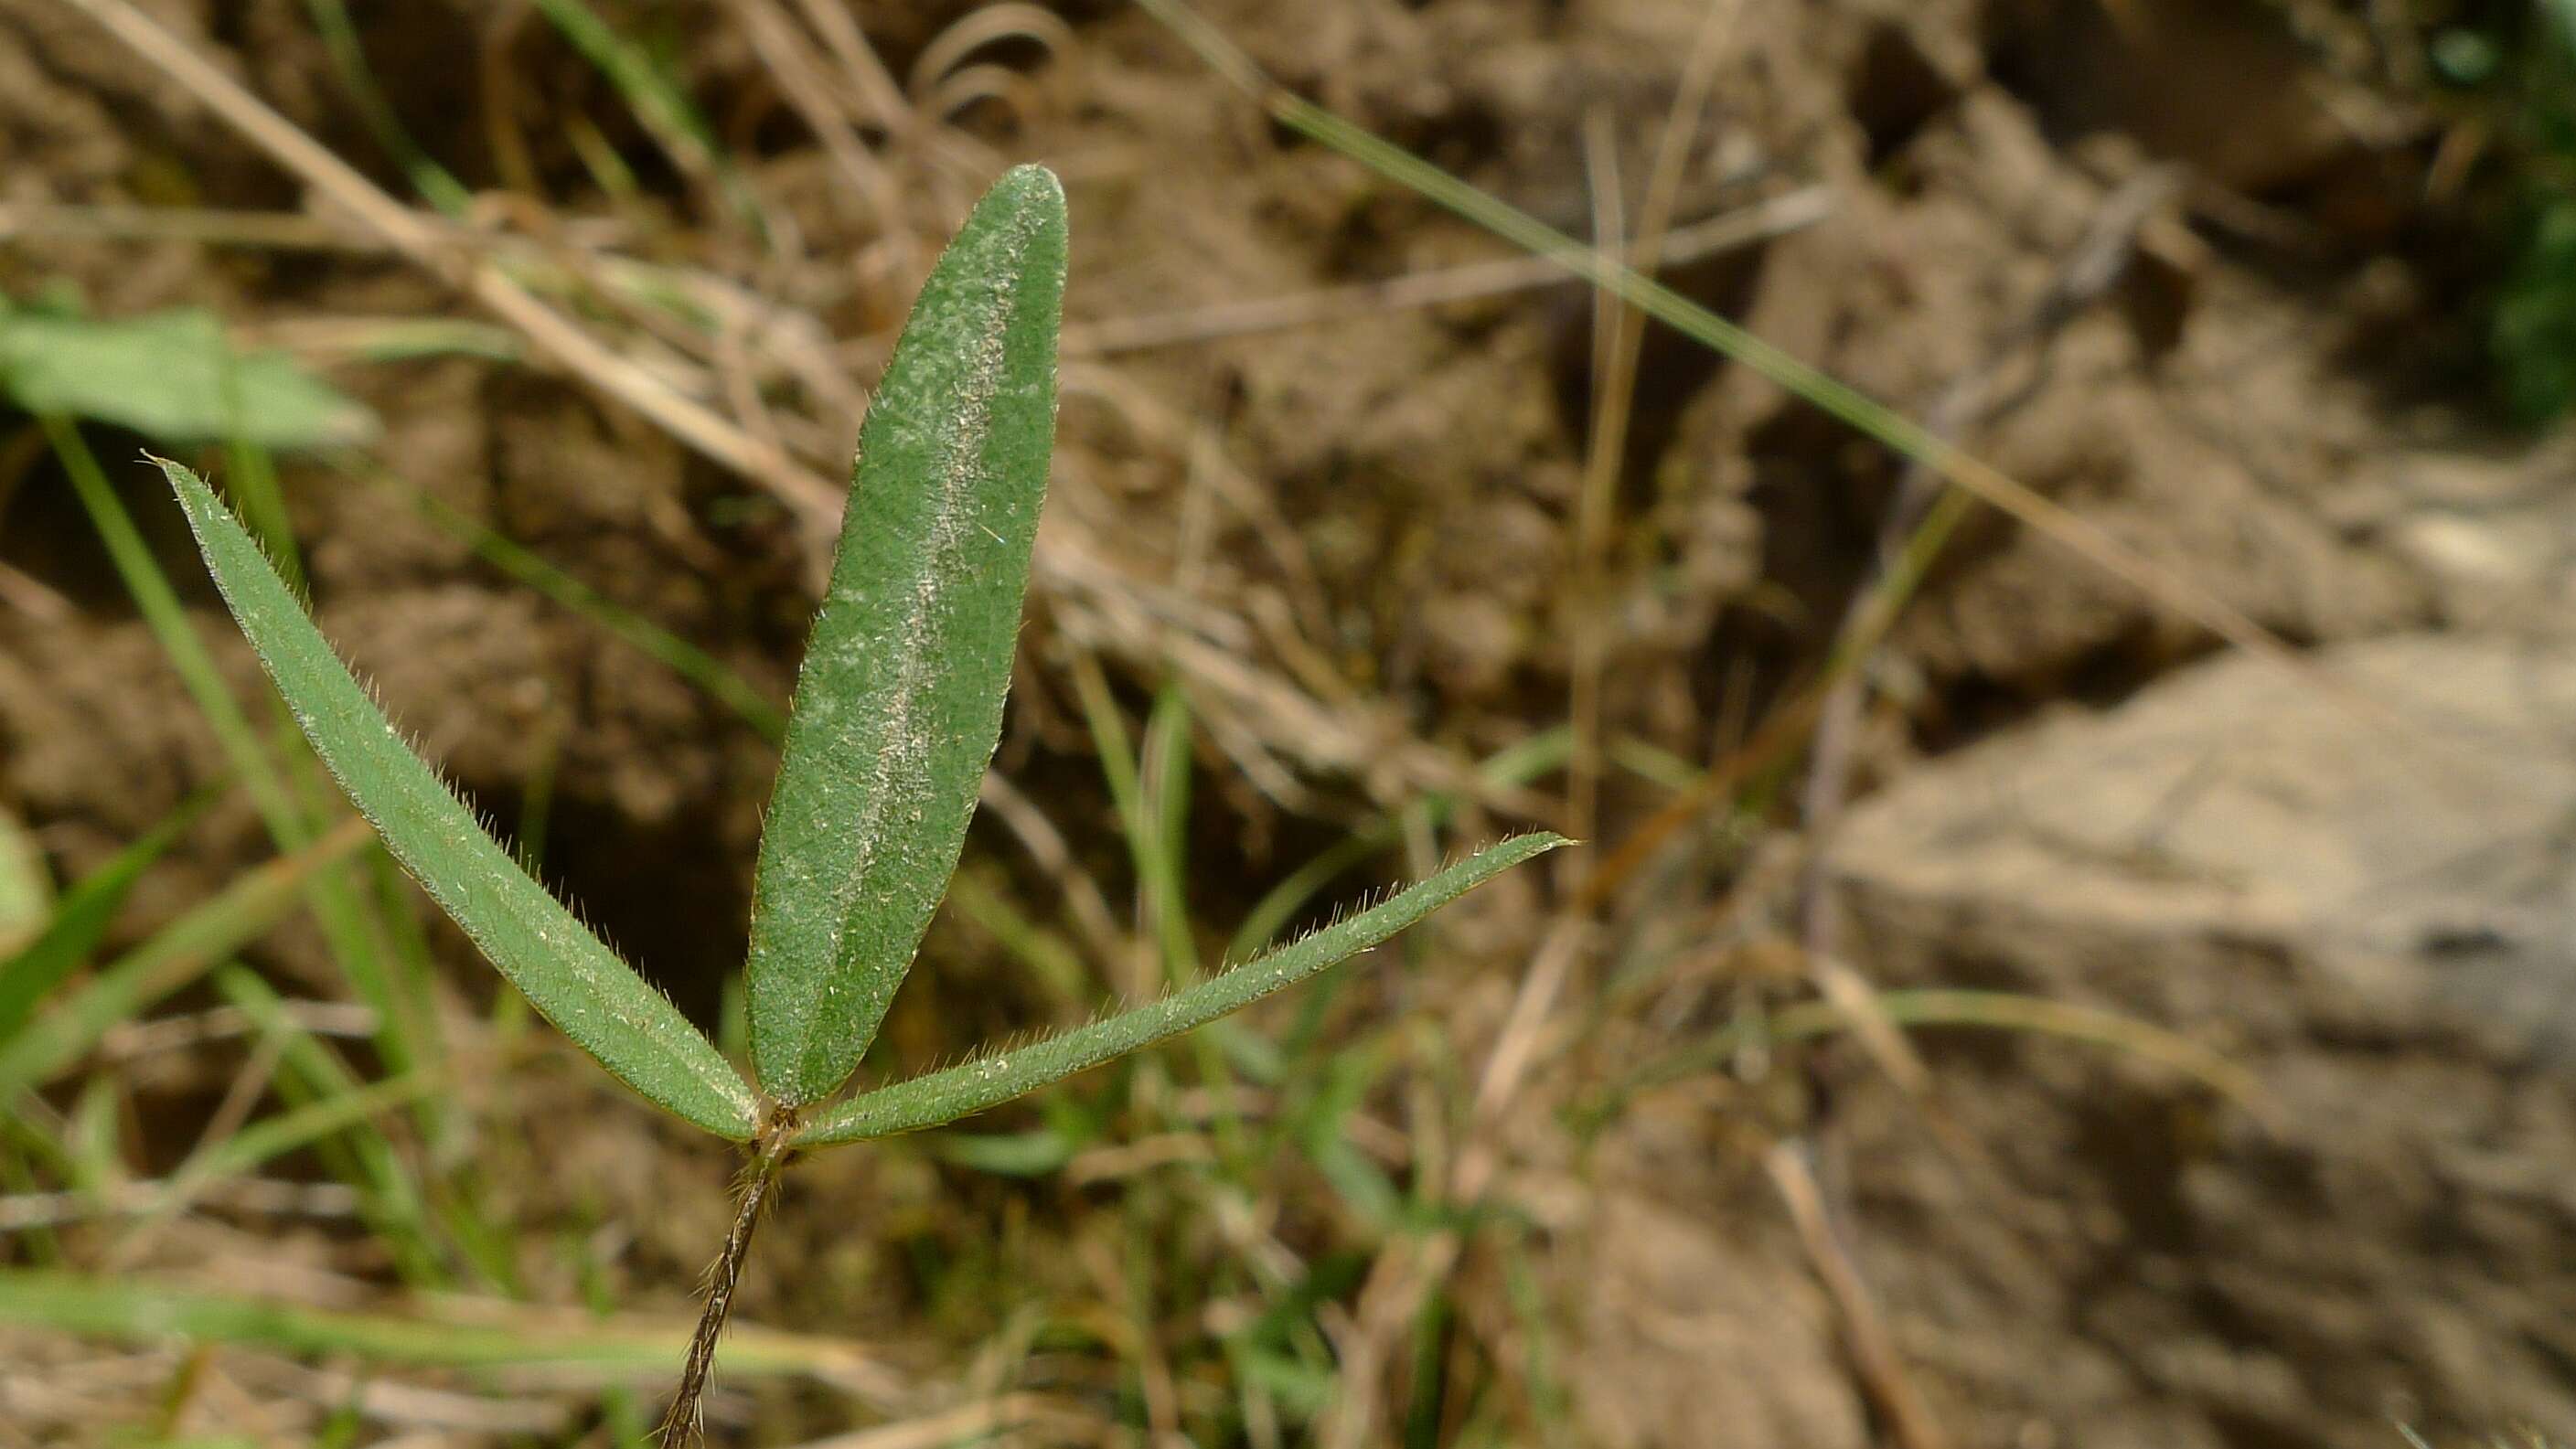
point(892, 728)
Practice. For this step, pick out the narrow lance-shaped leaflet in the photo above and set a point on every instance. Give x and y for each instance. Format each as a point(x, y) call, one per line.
point(899, 703)
point(566, 972)
point(944, 1096)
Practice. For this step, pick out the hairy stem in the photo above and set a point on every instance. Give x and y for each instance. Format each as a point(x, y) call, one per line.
point(752, 1192)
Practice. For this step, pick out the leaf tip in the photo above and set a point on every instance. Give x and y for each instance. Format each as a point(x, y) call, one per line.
point(1029, 182)
point(173, 470)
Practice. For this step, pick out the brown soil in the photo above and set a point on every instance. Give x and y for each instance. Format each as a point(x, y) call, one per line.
point(1352, 545)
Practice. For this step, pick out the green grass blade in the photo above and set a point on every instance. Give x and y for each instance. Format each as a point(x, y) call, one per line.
point(532, 569)
point(26, 889)
point(900, 701)
point(1519, 764)
point(1941, 1006)
point(391, 1202)
point(1818, 388)
point(80, 921)
point(1150, 790)
point(434, 182)
point(297, 1127)
point(564, 970)
point(158, 602)
point(1046, 955)
point(944, 1096)
point(501, 1338)
point(179, 953)
point(668, 115)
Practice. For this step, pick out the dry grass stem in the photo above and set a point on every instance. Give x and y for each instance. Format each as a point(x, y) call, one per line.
point(1873, 1350)
point(553, 334)
point(1762, 221)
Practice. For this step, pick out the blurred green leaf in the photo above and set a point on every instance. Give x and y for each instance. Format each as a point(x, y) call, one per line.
point(172, 376)
point(1007, 1154)
point(2533, 331)
point(2465, 57)
point(499, 1336)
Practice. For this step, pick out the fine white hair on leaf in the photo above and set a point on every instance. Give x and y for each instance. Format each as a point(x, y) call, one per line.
point(447, 844)
point(483, 819)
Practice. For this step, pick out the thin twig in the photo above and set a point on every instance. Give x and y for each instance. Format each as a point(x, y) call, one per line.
point(944, 56)
point(429, 246)
point(1613, 389)
point(1111, 601)
point(1410, 1269)
point(2087, 540)
point(1619, 337)
point(1046, 848)
point(129, 1040)
point(1762, 221)
point(1873, 1350)
point(861, 68)
point(34, 597)
point(205, 226)
point(788, 56)
point(990, 1420)
point(23, 1212)
point(449, 1414)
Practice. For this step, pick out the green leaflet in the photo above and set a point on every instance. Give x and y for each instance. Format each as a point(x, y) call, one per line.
point(944, 1096)
point(899, 704)
point(565, 971)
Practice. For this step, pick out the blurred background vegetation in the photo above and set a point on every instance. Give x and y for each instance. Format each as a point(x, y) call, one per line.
point(2073, 941)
